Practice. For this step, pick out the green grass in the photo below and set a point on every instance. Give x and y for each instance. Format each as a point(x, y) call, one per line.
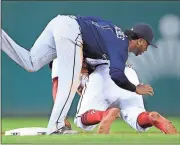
point(120, 133)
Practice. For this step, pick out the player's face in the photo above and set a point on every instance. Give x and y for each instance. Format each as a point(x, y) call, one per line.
point(142, 46)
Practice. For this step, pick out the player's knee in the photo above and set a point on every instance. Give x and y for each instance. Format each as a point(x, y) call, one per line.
point(154, 115)
point(143, 116)
point(32, 70)
point(115, 111)
point(34, 65)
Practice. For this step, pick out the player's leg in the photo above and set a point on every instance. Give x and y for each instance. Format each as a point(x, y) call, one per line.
point(61, 37)
point(134, 113)
point(42, 52)
point(92, 117)
point(84, 77)
point(68, 42)
point(93, 107)
point(138, 115)
point(131, 104)
point(106, 116)
point(107, 119)
point(148, 119)
point(54, 92)
point(91, 99)
point(54, 75)
point(141, 120)
point(125, 100)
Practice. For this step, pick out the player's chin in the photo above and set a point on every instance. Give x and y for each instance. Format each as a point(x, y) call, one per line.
point(139, 53)
point(136, 52)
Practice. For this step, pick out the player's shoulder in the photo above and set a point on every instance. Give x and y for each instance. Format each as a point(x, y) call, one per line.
point(94, 19)
point(90, 18)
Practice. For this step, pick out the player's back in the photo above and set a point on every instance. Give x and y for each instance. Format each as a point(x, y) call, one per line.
point(97, 35)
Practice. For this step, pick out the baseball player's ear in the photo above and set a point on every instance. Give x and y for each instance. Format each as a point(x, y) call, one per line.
point(137, 42)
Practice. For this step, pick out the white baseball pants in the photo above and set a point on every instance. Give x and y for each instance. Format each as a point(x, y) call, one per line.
point(62, 39)
point(101, 93)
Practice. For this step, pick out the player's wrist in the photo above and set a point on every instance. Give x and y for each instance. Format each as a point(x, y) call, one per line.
point(133, 88)
point(129, 86)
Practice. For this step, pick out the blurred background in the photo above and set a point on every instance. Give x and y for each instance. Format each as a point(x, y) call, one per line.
point(29, 94)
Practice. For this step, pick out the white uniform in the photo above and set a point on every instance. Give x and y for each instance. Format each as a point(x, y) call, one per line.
point(62, 39)
point(54, 73)
point(100, 93)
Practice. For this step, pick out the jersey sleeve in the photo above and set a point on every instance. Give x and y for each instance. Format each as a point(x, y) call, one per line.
point(117, 49)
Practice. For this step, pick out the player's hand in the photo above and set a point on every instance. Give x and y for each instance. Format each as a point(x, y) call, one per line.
point(144, 90)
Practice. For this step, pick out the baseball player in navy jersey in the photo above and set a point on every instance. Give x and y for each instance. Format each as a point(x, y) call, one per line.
point(71, 38)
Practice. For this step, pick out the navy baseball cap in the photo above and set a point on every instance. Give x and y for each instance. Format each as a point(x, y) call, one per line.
point(145, 32)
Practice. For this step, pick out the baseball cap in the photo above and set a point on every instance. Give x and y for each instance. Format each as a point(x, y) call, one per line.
point(144, 31)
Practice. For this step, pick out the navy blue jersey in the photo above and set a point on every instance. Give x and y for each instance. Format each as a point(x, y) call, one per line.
point(103, 40)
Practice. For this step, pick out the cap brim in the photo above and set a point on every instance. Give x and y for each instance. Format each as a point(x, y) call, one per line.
point(153, 45)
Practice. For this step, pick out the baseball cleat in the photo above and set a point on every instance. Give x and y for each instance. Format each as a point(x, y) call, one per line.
point(166, 126)
point(107, 120)
point(65, 130)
